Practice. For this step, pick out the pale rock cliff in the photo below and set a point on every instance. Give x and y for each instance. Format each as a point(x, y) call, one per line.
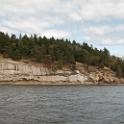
point(16, 72)
point(19, 72)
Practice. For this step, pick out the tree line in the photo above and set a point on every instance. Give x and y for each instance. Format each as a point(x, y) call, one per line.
point(57, 51)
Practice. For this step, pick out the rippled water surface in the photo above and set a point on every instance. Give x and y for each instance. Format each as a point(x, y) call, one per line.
point(61, 105)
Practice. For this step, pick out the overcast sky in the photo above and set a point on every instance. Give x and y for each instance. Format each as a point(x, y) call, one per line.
point(98, 22)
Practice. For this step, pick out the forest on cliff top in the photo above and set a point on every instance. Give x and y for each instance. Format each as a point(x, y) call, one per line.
point(57, 51)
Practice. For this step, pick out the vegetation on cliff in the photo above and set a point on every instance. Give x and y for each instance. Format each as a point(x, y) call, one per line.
point(57, 51)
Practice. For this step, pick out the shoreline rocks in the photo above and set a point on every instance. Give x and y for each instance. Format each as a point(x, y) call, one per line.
point(20, 73)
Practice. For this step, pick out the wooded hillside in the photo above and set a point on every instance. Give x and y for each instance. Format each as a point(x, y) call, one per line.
point(57, 51)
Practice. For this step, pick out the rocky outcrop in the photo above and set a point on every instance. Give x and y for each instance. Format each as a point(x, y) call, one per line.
point(19, 72)
point(15, 72)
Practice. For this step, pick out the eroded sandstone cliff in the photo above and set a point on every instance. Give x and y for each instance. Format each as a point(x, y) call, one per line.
point(19, 72)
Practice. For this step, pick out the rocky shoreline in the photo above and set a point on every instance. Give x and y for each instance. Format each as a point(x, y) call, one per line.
point(27, 73)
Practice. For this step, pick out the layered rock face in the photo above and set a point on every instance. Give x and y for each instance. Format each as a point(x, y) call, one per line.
point(20, 72)
point(14, 72)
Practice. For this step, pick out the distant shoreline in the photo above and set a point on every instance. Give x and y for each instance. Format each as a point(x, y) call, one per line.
point(35, 83)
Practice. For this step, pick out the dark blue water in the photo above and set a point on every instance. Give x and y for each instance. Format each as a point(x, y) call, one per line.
point(61, 105)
